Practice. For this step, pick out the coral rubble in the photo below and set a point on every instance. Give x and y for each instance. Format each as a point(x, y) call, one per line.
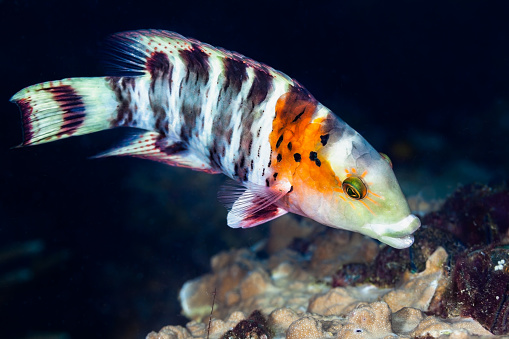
point(322, 283)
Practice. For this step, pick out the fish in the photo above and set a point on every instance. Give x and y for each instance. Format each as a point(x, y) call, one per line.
point(212, 110)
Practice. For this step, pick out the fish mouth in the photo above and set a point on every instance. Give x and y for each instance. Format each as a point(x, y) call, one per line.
point(397, 235)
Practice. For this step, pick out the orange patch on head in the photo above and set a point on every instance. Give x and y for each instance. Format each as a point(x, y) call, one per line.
point(296, 142)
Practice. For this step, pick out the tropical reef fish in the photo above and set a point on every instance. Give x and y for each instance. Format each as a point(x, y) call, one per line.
point(213, 110)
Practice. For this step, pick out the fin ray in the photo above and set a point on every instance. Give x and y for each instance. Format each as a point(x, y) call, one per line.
point(57, 109)
point(251, 204)
point(150, 146)
point(130, 50)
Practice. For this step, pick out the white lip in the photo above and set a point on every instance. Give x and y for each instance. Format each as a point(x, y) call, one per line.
point(397, 234)
point(398, 243)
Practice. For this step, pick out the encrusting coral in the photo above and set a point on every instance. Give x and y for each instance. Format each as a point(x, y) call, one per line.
point(324, 283)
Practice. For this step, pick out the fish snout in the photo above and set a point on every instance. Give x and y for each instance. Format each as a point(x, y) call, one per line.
point(397, 235)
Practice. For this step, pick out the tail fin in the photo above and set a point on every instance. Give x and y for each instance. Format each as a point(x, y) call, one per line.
point(59, 109)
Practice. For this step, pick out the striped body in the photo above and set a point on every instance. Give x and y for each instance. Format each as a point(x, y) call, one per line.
point(218, 104)
point(217, 111)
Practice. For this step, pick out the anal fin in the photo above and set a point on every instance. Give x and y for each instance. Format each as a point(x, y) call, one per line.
point(151, 146)
point(253, 205)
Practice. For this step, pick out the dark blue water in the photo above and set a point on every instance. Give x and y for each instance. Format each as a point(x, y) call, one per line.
point(425, 81)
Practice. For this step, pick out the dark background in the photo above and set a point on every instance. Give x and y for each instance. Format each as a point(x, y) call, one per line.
point(100, 248)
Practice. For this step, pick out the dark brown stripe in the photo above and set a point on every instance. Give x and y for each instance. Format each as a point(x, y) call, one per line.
point(214, 155)
point(261, 86)
point(161, 71)
point(26, 114)
point(235, 74)
point(71, 104)
point(175, 148)
point(263, 214)
point(158, 64)
point(197, 62)
point(121, 87)
point(197, 66)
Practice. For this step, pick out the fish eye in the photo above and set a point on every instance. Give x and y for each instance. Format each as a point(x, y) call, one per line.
point(355, 188)
point(386, 158)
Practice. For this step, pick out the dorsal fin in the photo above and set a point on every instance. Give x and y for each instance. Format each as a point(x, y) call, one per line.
point(252, 205)
point(131, 52)
point(151, 146)
point(144, 51)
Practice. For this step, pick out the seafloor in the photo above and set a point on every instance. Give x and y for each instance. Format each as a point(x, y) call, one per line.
point(309, 281)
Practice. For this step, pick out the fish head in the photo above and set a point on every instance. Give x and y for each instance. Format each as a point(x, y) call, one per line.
point(367, 197)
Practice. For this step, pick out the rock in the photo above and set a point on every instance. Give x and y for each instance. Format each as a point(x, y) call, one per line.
point(368, 321)
point(326, 283)
point(305, 328)
point(455, 326)
point(418, 289)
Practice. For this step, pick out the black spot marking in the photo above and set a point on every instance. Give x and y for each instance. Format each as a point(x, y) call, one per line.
point(291, 189)
point(298, 116)
point(290, 146)
point(235, 74)
point(313, 156)
point(252, 164)
point(250, 146)
point(267, 182)
point(261, 86)
point(270, 162)
point(296, 156)
point(324, 139)
point(279, 157)
point(318, 162)
point(275, 175)
point(279, 141)
point(263, 172)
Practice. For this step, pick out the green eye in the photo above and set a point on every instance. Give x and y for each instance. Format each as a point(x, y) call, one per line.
point(355, 188)
point(386, 158)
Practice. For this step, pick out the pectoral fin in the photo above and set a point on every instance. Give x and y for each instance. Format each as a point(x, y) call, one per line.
point(253, 205)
